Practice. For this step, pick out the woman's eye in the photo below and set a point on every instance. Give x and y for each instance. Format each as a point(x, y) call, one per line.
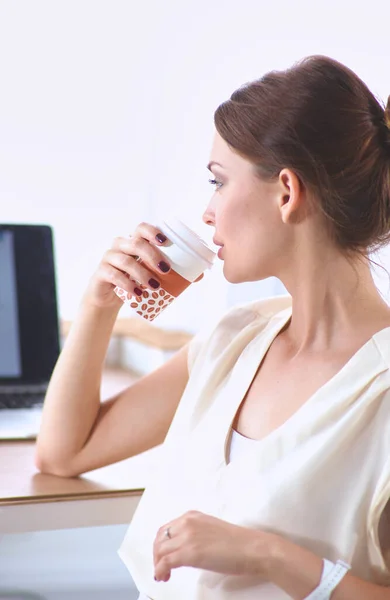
point(215, 182)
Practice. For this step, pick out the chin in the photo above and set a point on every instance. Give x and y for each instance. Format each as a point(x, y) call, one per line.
point(236, 276)
point(233, 276)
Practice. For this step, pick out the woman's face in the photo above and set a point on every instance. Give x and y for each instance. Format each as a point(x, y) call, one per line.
point(246, 214)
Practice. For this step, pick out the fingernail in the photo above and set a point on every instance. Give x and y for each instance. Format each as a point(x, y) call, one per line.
point(138, 291)
point(160, 237)
point(154, 284)
point(155, 578)
point(163, 266)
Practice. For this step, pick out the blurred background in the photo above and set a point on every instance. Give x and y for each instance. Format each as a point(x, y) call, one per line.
point(106, 115)
point(106, 120)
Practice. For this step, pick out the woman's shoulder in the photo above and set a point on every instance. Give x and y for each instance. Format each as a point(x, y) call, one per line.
point(264, 307)
point(217, 337)
point(240, 316)
point(382, 344)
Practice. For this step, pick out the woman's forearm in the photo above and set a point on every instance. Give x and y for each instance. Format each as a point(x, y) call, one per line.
point(298, 572)
point(73, 397)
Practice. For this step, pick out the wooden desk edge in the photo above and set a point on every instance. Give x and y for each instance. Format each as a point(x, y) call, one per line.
point(136, 328)
point(70, 497)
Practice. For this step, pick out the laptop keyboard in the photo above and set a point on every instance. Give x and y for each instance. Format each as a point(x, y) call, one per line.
point(21, 400)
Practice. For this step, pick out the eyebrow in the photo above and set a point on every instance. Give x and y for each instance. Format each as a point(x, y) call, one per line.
point(213, 163)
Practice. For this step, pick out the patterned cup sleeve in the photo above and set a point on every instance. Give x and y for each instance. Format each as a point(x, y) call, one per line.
point(150, 304)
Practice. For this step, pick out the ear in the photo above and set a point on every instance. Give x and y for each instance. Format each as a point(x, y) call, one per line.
point(290, 197)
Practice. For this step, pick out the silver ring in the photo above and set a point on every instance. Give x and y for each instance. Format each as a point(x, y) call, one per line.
point(167, 534)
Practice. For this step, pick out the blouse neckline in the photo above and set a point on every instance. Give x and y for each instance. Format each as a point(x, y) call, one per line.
point(302, 423)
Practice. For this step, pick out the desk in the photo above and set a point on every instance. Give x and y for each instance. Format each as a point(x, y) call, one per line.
point(32, 501)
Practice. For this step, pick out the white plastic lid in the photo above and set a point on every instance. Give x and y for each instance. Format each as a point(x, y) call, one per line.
point(188, 240)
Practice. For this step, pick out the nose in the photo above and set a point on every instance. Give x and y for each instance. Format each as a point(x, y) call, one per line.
point(208, 217)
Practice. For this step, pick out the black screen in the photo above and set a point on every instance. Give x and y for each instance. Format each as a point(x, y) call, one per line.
point(29, 335)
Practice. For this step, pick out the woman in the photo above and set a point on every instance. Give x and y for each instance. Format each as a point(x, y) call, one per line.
point(276, 422)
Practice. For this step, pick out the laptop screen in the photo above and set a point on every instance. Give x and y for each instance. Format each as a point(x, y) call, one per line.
point(29, 334)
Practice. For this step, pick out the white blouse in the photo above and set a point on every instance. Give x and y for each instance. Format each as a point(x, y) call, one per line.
point(322, 479)
point(239, 445)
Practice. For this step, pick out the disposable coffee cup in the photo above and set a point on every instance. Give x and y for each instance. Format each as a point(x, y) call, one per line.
point(189, 257)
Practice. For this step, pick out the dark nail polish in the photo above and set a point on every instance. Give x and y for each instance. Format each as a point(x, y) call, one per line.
point(160, 237)
point(154, 284)
point(163, 266)
point(155, 578)
point(138, 291)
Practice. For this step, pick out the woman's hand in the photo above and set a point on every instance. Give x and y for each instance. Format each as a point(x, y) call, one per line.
point(205, 542)
point(120, 267)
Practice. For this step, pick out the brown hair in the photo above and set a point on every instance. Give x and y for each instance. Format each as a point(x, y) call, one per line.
point(321, 121)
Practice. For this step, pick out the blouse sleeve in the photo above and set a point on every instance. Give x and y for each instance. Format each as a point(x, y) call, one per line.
point(379, 529)
point(224, 329)
point(195, 346)
point(221, 331)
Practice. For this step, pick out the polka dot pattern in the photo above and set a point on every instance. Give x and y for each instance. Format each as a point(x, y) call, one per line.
point(149, 305)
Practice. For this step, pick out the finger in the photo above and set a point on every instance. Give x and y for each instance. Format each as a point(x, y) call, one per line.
point(162, 543)
point(164, 576)
point(160, 553)
point(148, 254)
point(179, 555)
point(134, 269)
point(170, 560)
point(119, 279)
point(151, 233)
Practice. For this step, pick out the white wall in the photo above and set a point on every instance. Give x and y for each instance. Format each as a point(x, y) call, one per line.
point(106, 113)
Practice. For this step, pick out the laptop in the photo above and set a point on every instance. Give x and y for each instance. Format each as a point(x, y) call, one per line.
point(29, 327)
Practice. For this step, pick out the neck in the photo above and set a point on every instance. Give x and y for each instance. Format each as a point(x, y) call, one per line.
point(334, 303)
